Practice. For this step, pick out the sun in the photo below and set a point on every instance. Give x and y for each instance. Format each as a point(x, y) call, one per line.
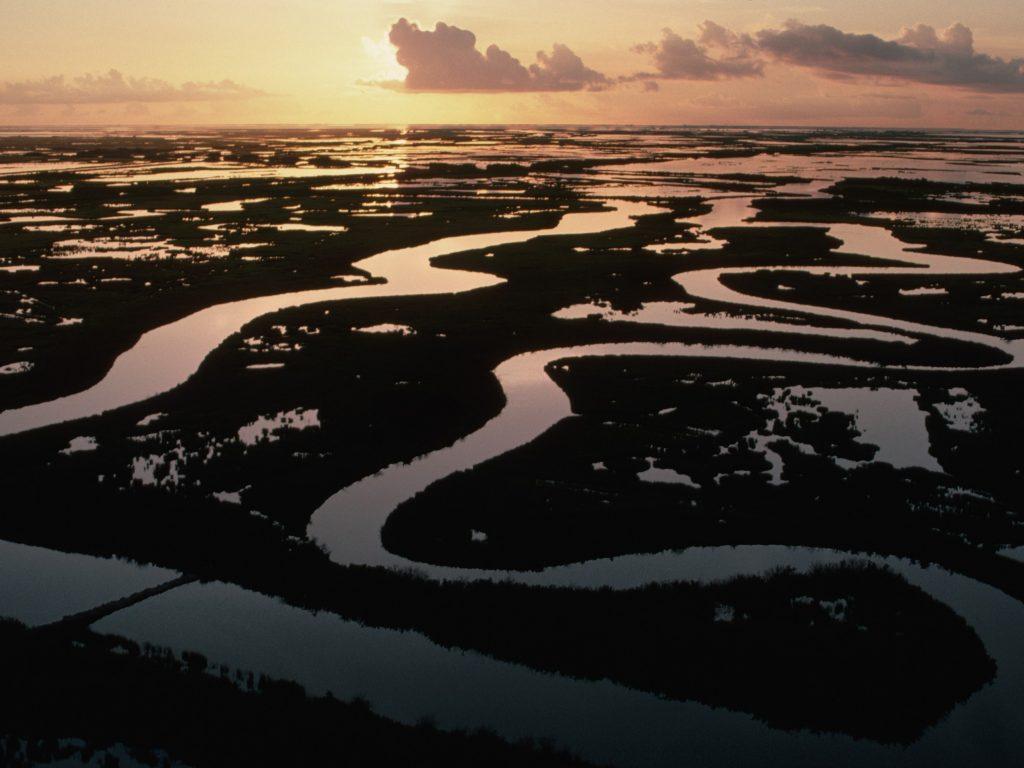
point(382, 53)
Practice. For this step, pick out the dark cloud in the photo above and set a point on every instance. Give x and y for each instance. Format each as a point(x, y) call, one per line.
point(447, 59)
point(718, 54)
point(919, 55)
point(116, 88)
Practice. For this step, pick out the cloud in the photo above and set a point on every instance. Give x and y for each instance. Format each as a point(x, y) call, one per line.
point(919, 55)
point(116, 88)
point(447, 59)
point(676, 58)
point(717, 54)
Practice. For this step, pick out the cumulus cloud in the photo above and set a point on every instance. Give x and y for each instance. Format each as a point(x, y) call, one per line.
point(117, 88)
point(919, 54)
point(447, 59)
point(718, 54)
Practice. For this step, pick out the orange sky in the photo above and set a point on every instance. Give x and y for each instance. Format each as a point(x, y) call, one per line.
point(330, 61)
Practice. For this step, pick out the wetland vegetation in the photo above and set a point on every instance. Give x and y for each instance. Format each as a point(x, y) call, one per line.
point(639, 345)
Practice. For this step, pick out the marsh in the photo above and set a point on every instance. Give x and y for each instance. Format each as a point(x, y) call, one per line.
point(624, 447)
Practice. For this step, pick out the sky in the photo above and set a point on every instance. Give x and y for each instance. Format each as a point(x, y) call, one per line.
point(885, 63)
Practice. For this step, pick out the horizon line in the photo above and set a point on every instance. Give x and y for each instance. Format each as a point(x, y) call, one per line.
point(14, 127)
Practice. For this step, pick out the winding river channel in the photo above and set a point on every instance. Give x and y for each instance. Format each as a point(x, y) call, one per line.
point(406, 676)
point(349, 522)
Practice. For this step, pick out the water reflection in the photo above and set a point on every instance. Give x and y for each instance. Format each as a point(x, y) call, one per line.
point(39, 586)
point(406, 676)
point(168, 355)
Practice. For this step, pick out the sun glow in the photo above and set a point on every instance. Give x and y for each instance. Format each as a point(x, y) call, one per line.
point(382, 53)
